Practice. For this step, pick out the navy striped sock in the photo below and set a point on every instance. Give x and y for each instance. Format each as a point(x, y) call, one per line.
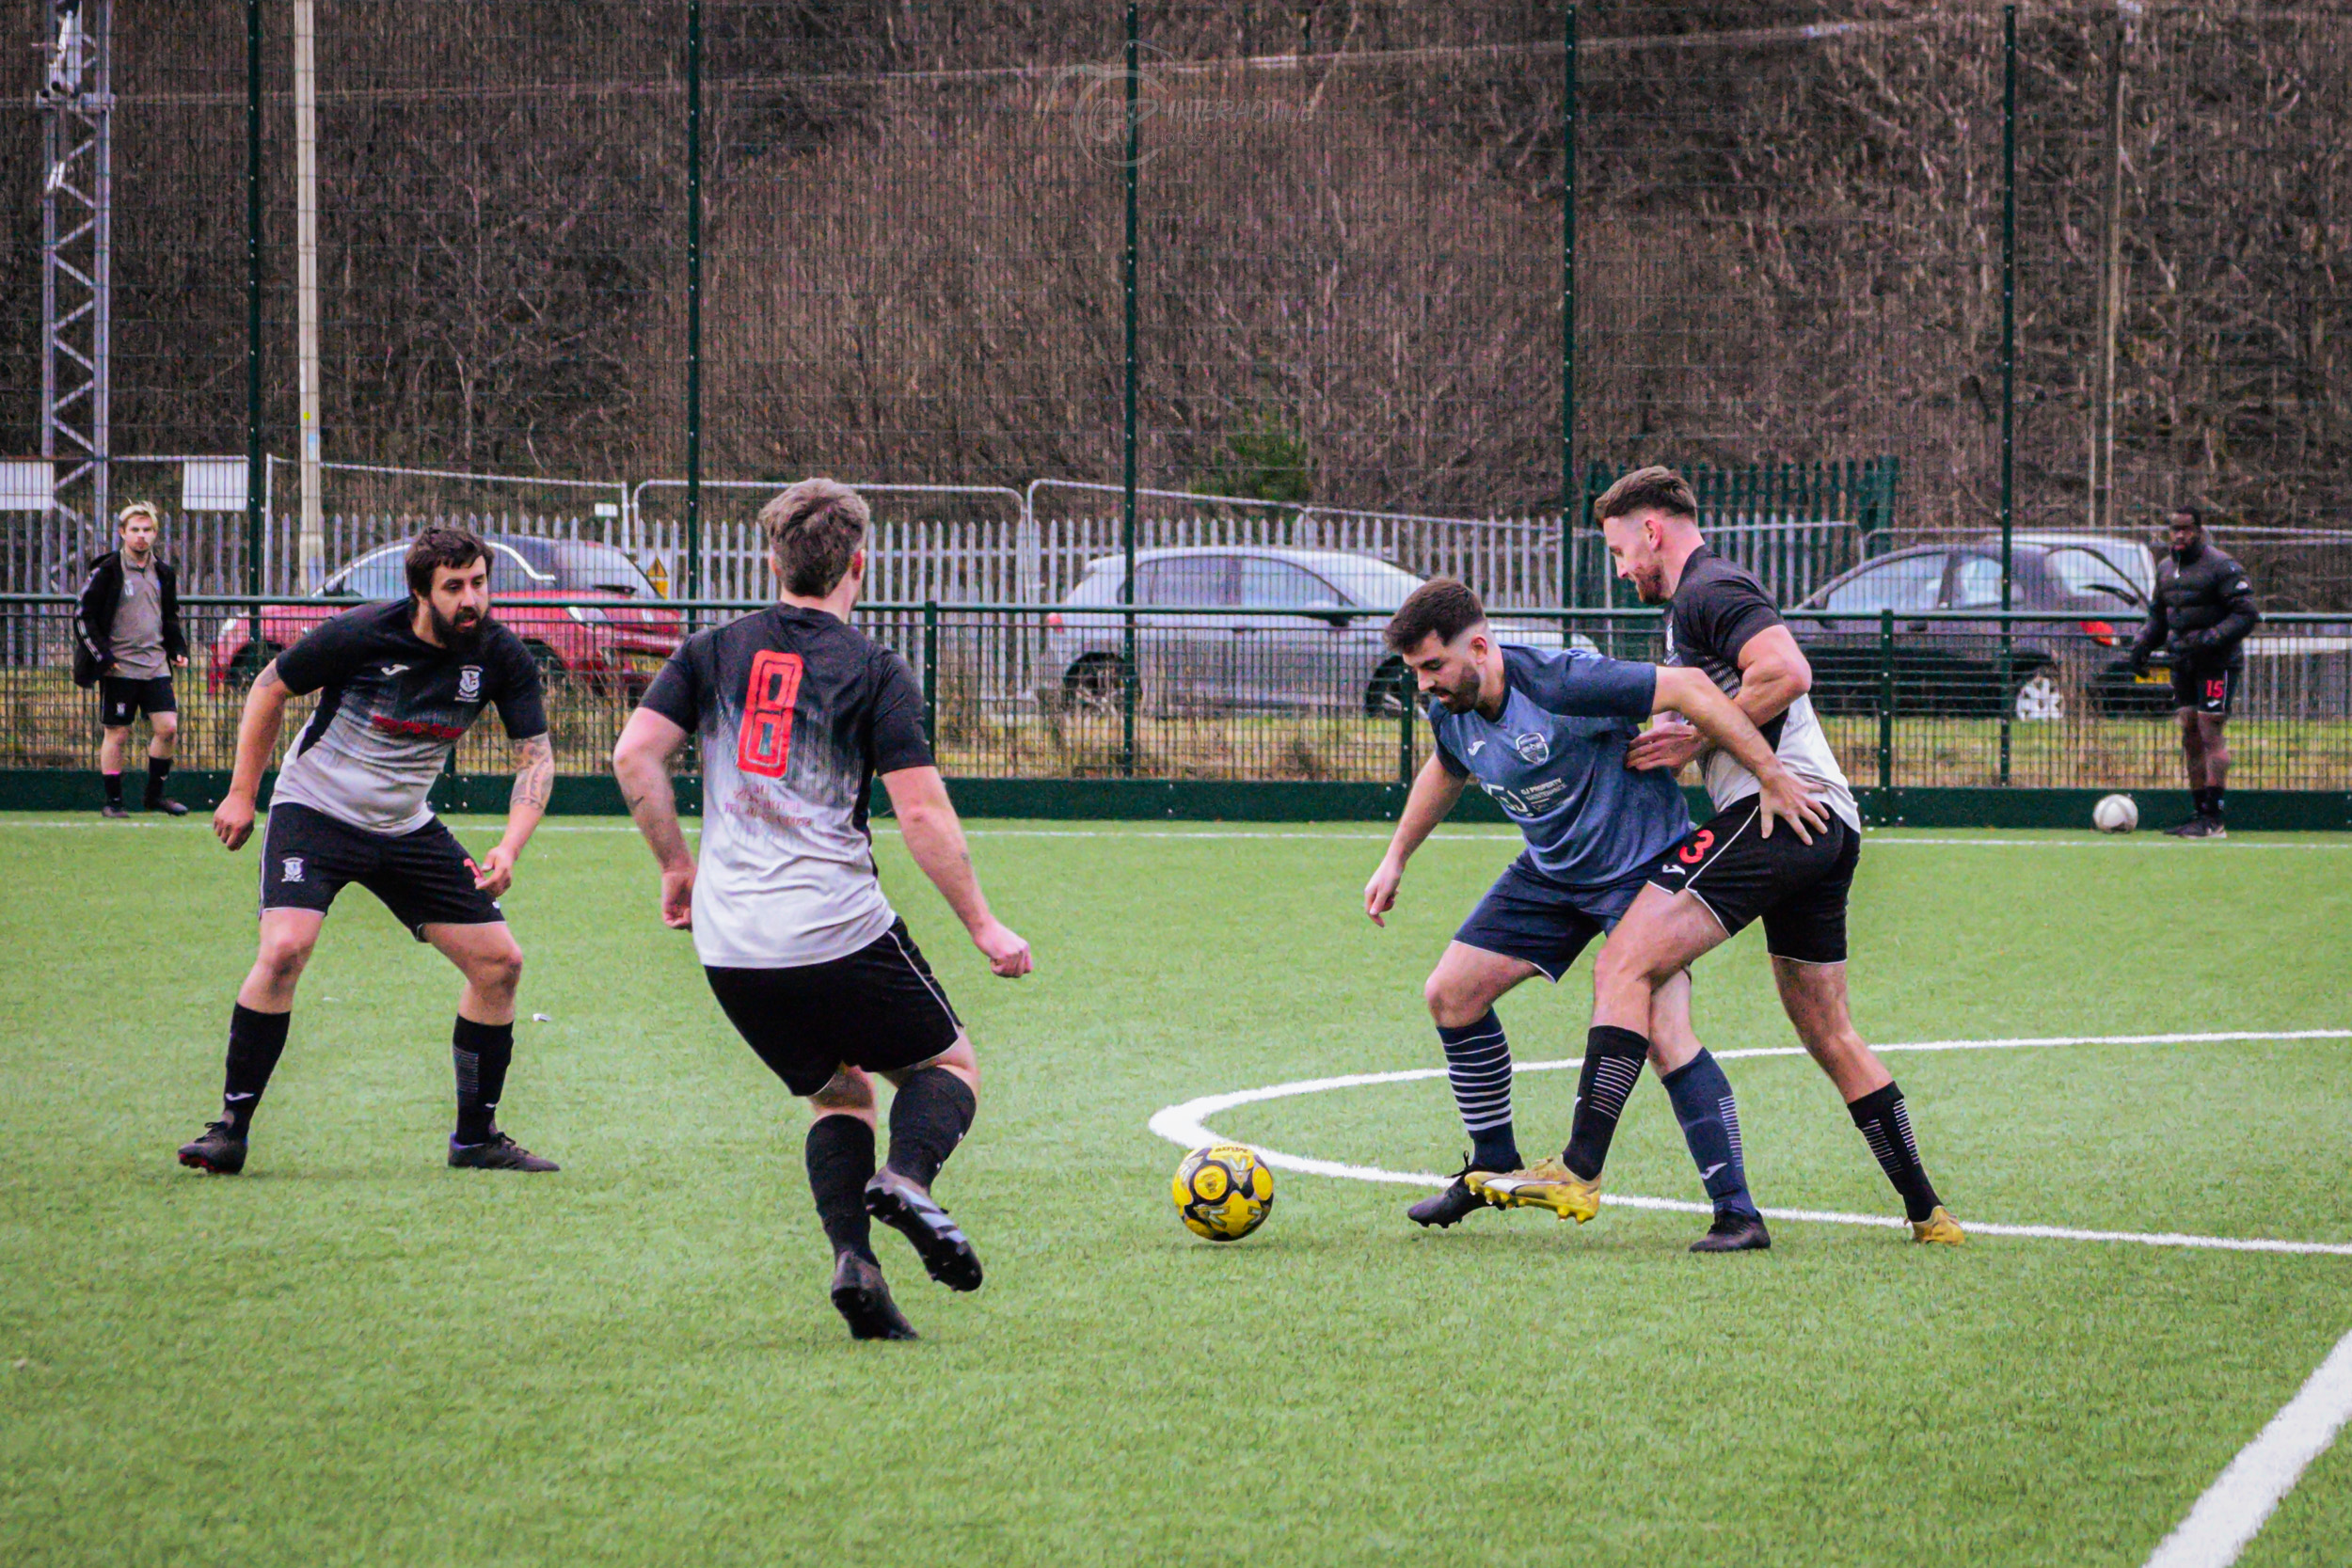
point(1478, 1065)
point(1710, 1125)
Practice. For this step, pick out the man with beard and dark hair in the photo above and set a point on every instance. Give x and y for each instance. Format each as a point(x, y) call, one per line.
point(2200, 614)
point(399, 685)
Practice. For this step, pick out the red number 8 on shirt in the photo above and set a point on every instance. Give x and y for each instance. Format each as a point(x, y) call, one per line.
point(765, 742)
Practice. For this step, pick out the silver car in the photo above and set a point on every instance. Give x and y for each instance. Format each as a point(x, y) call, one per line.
point(1330, 657)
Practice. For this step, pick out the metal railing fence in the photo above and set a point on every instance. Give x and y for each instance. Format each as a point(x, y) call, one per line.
point(1037, 691)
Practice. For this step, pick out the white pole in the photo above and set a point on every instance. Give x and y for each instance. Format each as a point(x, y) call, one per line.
point(314, 546)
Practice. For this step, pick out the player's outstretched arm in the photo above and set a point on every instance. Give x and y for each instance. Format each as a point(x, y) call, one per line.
point(1779, 796)
point(264, 715)
point(641, 763)
point(1773, 674)
point(1434, 791)
point(934, 836)
point(535, 781)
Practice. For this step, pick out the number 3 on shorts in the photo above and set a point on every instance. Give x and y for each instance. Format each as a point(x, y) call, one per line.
point(765, 742)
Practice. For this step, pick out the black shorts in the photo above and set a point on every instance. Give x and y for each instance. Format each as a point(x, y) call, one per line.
point(306, 857)
point(1798, 888)
point(879, 1008)
point(121, 699)
point(1527, 917)
point(2212, 691)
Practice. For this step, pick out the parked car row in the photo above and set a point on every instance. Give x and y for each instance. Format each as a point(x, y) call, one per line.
point(1326, 652)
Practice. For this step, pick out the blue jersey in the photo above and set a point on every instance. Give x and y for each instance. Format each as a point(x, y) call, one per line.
point(1554, 761)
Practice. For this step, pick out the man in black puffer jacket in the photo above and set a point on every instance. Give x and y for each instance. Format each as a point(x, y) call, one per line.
point(2202, 610)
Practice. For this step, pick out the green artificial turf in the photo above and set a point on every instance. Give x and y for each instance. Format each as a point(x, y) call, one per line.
point(352, 1355)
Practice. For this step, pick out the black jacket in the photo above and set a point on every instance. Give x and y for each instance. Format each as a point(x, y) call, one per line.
point(2202, 610)
point(94, 618)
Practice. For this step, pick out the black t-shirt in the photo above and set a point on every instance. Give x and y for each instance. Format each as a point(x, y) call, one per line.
point(1718, 610)
point(795, 713)
point(391, 708)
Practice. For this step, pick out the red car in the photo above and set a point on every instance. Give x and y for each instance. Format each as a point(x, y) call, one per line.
point(619, 641)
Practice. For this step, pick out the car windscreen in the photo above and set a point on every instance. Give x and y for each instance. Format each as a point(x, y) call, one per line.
point(2079, 569)
point(1906, 583)
point(582, 566)
point(1367, 581)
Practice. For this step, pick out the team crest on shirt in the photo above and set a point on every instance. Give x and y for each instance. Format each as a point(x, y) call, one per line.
point(293, 868)
point(1534, 747)
point(469, 683)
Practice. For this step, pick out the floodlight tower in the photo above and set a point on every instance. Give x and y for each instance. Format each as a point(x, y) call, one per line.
point(77, 102)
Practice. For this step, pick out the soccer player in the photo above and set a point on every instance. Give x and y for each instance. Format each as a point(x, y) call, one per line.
point(1545, 734)
point(127, 640)
point(1721, 622)
point(794, 712)
point(2200, 614)
point(399, 684)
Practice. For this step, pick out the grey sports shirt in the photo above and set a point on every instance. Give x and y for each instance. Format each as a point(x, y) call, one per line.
point(139, 632)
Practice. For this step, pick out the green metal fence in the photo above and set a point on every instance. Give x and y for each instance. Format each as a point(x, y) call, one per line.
point(1934, 700)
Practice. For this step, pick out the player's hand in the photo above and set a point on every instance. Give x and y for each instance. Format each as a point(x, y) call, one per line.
point(1781, 798)
point(1007, 952)
point(495, 874)
point(181, 661)
point(677, 897)
point(1380, 893)
point(232, 820)
point(1670, 744)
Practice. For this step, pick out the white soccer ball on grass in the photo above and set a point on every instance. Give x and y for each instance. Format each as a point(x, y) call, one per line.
point(2115, 814)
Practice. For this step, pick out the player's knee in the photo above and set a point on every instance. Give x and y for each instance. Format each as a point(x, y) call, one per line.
point(500, 970)
point(284, 955)
point(166, 725)
point(1450, 1001)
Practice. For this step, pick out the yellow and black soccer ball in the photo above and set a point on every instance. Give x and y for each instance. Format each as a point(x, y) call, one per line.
point(1223, 1192)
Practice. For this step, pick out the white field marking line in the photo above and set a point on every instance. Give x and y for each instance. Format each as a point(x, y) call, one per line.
point(1871, 835)
point(1185, 1126)
point(2236, 1506)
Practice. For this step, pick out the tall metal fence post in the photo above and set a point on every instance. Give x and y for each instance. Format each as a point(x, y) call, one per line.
point(930, 673)
point(256, 461)
point(1127, 455)
point(2009, 358)
point(1571, 511)
point(693, 575)
point(1886, 711)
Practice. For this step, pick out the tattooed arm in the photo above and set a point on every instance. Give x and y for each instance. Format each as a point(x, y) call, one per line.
point(642, 765)
point(534, 781)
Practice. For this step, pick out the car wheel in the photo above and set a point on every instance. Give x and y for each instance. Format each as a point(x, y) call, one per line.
point(2041, 700)
point(1092, 684)
point(552, 671)
point(248, 664)
point(1390, 691)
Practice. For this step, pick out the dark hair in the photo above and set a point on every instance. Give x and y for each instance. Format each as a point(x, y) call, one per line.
point(814, 529)
point(2195, 514)
point(1653, 488)
point(1444, 606)
point(436, 548)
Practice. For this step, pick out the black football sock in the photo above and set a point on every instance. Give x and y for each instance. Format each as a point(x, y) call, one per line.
point(1613, 1064)
point(158, 769)
point(1711, 1125)
point(932, 1110)
point(1478, 1065)
point(840, 1163)
point(113, 787)
point(481, 1051)
point(2213, 801)
point(1885, 1124)
point(256, 1040)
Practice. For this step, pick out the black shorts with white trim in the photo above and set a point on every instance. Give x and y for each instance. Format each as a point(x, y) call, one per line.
point(1798, 889)
point(307, 857)
point(879, 1008)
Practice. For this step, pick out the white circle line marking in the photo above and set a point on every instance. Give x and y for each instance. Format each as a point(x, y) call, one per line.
point(1185, 1125)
